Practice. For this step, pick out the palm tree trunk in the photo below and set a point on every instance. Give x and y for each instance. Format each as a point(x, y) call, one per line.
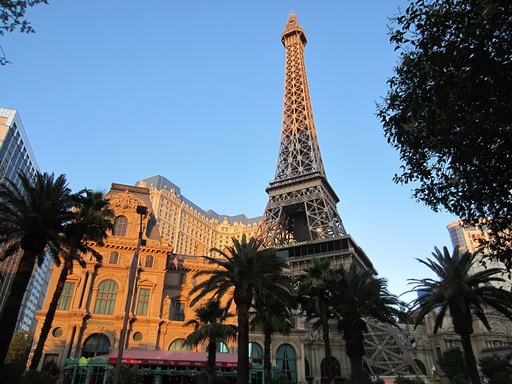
point(465, 339)
point(12, 306)
point(354, 344)
point(327, 343)
point(243, 343)
point(210, 366)
point(356, 365)
point(50, 315)
point(267, 364)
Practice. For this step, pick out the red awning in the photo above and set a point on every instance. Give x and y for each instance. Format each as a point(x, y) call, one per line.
point(172, 358)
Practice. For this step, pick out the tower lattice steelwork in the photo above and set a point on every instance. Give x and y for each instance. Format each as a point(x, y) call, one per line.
point(302, 204)
point(301, 219)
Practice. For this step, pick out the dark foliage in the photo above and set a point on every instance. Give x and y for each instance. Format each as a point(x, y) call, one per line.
point(17, 355)
point(498, 369)
point(453, 365)
point(448, 110)
point(12, 17)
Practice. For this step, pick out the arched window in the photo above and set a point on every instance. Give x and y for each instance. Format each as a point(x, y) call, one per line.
point(307, 368)
point(96, 345)
point(421, 366)
point(177, 345)
point(325, 371)
point(222, 347)
point(286, 361)
point(120, 226)
point(106, 298)
point(255, 353)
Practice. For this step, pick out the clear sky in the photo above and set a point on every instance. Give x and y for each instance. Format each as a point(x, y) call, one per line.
point(121, 90)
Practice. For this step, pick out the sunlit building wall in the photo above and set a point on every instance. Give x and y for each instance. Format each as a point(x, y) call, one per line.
point(466, 238)
point(189, 229)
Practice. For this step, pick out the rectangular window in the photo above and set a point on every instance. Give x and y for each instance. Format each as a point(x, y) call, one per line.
point(149, 262)
point(143, 302)
point(66, 296)
point(183, 278)
point(178, 311)
point(114, 257)
point(439, 353)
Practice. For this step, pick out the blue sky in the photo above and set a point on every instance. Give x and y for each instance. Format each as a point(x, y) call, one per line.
point(121, 90)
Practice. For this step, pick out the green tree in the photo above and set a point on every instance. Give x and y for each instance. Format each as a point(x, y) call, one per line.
point(35, 377)
point(498, 369)
point(129, 374)
point(272, 314)
point(241, 272)
point(17, 355)
point(209, 327)
point(12, 17)
point(358, 295)
point(32, 220)
point(90, 224)
point(463, 293)
point(312, 284)
point(448, 110)
point(453, 365)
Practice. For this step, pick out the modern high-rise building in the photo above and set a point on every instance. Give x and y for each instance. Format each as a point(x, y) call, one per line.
point(486, 342)
point(466, 239)
point(16, 156)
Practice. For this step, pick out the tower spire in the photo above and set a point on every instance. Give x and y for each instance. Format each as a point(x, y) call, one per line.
point(302, 204)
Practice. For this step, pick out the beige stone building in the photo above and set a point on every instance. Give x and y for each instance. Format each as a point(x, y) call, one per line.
point(90, 314)
point(189, 229)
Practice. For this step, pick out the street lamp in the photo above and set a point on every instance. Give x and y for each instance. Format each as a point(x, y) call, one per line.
point(142, 211)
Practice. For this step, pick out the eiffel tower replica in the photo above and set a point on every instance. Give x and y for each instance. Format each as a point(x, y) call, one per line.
point(301, 220)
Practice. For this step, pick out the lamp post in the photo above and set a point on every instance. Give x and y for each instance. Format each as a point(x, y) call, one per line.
point(142, 211)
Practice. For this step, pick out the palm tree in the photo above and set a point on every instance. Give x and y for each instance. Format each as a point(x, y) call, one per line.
point(32, 219)
point(243, 271)
point(313, 285)
point(272, 316)
point(461, 292)
point(358, 295)
point(209, 327)
point(90, 224)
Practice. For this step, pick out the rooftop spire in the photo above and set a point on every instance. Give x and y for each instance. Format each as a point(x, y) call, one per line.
point(293, 27)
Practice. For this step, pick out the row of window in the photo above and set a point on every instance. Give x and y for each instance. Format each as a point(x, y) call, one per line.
point(148, 261)
point(99, 344)
point(105, 298)
point(286, 358)
point(121, 224)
